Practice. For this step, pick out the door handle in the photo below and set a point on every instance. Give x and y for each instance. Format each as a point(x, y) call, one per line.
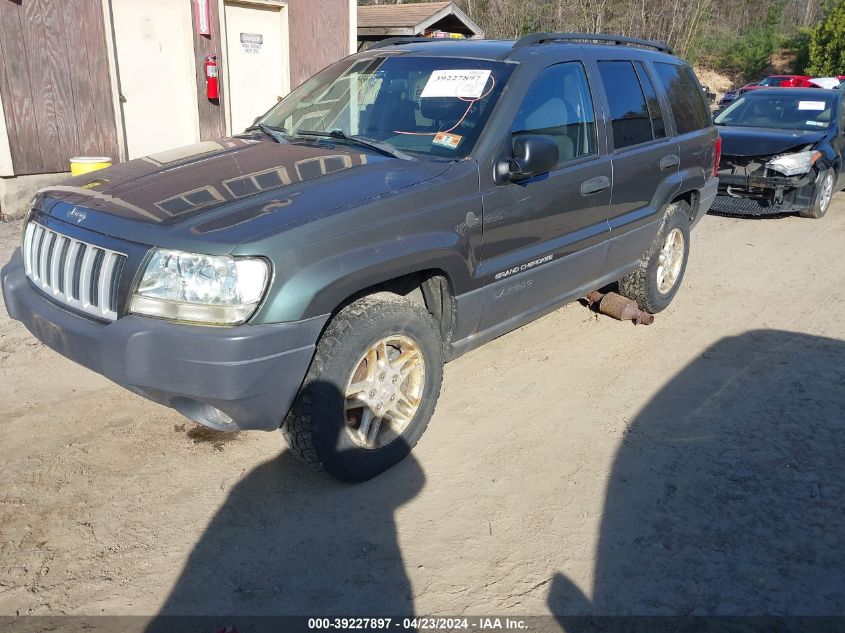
point(594, 185)
point(669, 161)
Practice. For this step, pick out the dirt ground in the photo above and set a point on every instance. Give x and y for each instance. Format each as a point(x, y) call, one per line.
point(577, 465)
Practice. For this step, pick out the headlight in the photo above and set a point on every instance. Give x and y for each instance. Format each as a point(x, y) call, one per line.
point(794, 164)
point(201, 288)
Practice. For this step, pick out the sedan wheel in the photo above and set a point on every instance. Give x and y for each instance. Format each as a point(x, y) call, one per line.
point(824, 194)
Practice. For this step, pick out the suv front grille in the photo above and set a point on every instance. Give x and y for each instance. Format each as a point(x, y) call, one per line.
point(72, 272)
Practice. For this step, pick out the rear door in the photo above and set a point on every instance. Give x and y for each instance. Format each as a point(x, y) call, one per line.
point(692, 120)
point(645, 157)
point(543, 237)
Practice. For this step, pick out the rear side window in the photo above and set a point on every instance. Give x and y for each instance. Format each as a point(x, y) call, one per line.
point(685, 97)
point(628, 109)
point(559, 105)
point(658, 127)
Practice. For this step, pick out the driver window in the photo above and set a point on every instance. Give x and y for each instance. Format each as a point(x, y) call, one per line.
point(559, 105)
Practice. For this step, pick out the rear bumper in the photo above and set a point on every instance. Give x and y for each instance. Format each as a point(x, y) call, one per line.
point(705, 200)
point(227, 378)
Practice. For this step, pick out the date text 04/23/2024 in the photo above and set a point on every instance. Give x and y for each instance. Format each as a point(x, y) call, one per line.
point(418, 624)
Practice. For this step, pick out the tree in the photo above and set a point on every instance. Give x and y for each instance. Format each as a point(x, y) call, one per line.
point(827, 46)
point(736, 36)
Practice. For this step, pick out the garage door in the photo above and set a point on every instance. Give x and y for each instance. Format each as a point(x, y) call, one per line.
point(54, 83)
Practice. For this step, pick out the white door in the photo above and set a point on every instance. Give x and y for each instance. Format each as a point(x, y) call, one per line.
point(154, 49)
point(257, 60)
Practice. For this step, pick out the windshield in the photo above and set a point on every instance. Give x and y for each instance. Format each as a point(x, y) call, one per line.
point(771, 81)
point(428, 105)
point(787, 112)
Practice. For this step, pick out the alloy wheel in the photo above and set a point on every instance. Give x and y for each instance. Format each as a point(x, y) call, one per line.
point(384, 391)
point(670, 261)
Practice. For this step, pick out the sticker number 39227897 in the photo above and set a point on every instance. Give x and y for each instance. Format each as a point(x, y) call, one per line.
point(467, 84)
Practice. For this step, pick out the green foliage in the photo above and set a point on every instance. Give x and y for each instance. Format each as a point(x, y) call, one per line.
point(748, 54)
point(799, 45)
point(827, 45)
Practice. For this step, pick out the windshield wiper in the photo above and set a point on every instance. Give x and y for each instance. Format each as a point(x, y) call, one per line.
point(379, 146)
point(278, 134)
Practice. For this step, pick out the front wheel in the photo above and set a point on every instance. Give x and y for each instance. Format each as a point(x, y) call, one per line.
point(658, 276)
point(824, 194)
point(370, 391)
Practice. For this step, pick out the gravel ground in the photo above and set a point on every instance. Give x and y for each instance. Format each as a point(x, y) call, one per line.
point(577, 465)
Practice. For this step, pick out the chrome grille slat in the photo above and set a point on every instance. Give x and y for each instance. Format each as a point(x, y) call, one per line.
point(85, 277)
point(39, 259)
point(104, 282)
point(55, 258)
point(75, 273)
point(27, 248)
point(70, 264)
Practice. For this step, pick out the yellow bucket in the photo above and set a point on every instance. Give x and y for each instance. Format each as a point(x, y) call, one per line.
point(84, 164)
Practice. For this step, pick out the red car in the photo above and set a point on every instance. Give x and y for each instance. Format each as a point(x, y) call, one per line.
point(781, 81)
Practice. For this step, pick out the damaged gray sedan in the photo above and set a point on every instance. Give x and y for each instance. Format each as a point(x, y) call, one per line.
point(782, 152)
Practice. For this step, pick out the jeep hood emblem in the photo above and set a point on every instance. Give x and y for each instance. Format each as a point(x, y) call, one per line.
point(77, 215)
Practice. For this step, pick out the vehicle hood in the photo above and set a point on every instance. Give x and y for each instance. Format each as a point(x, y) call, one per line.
point(753, 141)
point(213, 192)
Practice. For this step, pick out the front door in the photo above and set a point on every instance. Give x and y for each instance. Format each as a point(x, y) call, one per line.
point(257, 60)
point(544, 237)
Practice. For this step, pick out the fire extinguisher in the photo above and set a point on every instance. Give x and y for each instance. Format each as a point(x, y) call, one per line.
point(212, 90)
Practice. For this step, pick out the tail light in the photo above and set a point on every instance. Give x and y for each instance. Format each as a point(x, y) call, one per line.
point(717, 155)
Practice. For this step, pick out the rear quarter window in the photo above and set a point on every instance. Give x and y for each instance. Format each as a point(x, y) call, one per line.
point(630, 117)
point(685, 97)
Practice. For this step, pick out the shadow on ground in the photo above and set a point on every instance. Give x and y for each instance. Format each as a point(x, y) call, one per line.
point(727, 495)
point(291, 541)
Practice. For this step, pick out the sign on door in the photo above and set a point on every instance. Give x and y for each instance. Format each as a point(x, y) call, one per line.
point(252, 42)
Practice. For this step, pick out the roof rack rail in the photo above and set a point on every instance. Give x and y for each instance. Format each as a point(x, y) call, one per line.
point(398, 41)
point(620, 40)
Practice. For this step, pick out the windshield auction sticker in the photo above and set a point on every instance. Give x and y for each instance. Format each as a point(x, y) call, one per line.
point(468, 84)
point(812, 105)
point(447, 140)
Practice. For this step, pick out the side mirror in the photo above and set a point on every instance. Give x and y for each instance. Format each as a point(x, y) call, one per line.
point(533, 154)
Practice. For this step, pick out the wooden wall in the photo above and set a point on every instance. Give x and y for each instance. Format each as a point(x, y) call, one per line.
point(54, 82)
point(319, 34)
point(212, 116)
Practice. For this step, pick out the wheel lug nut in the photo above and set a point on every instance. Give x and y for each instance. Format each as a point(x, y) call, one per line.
point(372, 394)
point(378, 407)
point(394, 379)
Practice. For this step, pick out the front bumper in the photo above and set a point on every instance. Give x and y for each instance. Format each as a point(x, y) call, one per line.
point(227, 378)
point(764, 195)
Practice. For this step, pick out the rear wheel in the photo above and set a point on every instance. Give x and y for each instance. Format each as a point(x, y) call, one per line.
point(656, 280)
point(371, 388)
point(824, 194)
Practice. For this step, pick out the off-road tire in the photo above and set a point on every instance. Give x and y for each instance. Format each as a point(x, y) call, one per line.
point(820, 206)
point(315, 428)
point(641, 285)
